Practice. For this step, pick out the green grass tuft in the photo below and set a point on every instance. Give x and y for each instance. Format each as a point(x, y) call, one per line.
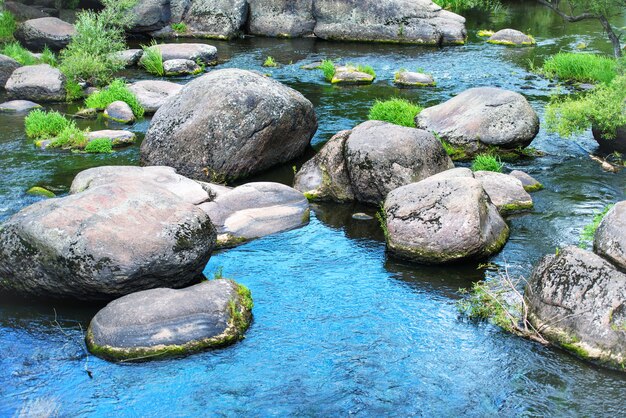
point(583, 68)
point(487, 162)
point(117, 90)
point(483, 33)
point(73, 90)
point(367, 69)
point(152, 60)
point(42, 125)
point(19, 53)
point(269, 62)
point(589, 230)
point(179, 28)
point(70, 138)
point(328, 68)
point(7, 26)
point(397, 111)
point(99, 146)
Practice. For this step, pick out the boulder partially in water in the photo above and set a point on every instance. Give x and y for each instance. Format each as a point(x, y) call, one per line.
point(119, 111)
point(443, 219)
point(35, 34)
point(511, 37)
point(159, 323)
point(229, 124)
point(151, 94)
point(129, 57)
point(577, 301)
point(180, 67)
point(351, 75)
point(611, 143)
point(530, 183)
point(610, 237)
point(413, 79)
point(207, 54)
point(38, 83)
point(482, 117)
point(505, 191)
point(18, 106)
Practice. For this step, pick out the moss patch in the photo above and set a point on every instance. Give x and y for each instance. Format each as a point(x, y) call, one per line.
point(40, 191)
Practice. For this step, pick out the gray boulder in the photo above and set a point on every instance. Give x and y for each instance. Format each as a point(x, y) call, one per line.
point(222, 19)
point(7, 66)
point(229, 124)
point(482, 117)
point(35, 34)
point(281, 18)
point(204, 53)
point(351, 75)
point(129, 57)
point(412, 79)
point(24, 11)
point(505, 191)
point(610, 237)
point(119, 138)
point(152, 94)
point(111, 239)
point(255, 210)
point(18, 106)
point(511, 37)
point(530, 184)
point(180, 67)
point(119, 111)
point(443, 219)
point(577, 301)
point(150, 15)
point(159, 323)
point(403, 21)
point(38, 83)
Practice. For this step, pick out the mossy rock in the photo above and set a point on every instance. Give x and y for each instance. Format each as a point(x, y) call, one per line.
point(40, 191)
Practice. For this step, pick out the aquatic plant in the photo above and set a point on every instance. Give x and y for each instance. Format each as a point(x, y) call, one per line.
point(99, 146)
point(7, 25)
point(487, 162)
point(179, 27)
point(589, 230)
point(19, 53)
point(328, 69)
point(465, 5)
point(580, 67)
point(41, 124)
point(70, 137)
point(397, 111)
point(269, 62)
point(152, 59)
point(367, 69)
point(117, 90)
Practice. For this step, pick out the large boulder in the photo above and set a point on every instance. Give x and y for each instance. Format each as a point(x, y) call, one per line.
point(511, 37)
point(445, 218)
point(159, 323)
point(118, 234)
point(403, 21)
point(282, 18)
point(38, 83)
point(213, 18)
point(150, 15)
point(255, 210)
point(204, 53)
point(7, 66)
point(482, 117)
point(369, 161)
point(229, 124)
point(23, 11)
point(52, 32)
point(151, 94)
point(577, 301)
point(610, 237)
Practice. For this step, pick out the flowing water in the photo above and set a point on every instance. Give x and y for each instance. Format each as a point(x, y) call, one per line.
point(339, 327)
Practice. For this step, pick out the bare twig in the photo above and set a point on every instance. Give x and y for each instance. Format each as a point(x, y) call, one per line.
point(71, 338)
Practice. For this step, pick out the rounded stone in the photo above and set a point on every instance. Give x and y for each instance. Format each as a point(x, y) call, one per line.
point(18, 106)
point(151, 94)
point(180, 67)
point(119, 111)
point(35, 34)
point(38, 83)
point(610, 237)
point(204, 53)
point(511, 37)
point(411, 79)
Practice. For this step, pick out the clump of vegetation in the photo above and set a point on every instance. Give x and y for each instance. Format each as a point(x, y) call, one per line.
point(70, 137)
point(117, 90)
point(90, 56)
point(328, 69)
point(367, 69)
point(465, 5)
point(48, 57)
point(589, 230)
point(152, 60)
point(381, 216)
point(269, 62)
point(603, 108)
point(40, 191)
point(73, 90)
point(7, 25)
point(580, 67)
point(397, 111)
point(483, 33)
point(487, 162)
point(99, 146)
point(179, 27)
point(42, 125)
point(19, 53)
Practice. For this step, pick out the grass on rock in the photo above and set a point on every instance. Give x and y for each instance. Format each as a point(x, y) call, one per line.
point(70, 137)
point(42, 125)
point(397, 111)
point(589, 230)
point(487, 162)
point(328, 69)
point(152, 60)
point(179, 28)
point(580, 67)
point(99, 146)
point(117, 90)
point(269, 62)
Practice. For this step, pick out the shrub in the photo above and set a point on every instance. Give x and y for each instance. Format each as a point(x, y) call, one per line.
point(7, 26)
point(73, 90)
point(603, 108)
point(99, 146)
point(152, 60)
point(269, 62)
point(70, 137)
point(41, 124)
point(487, 162)
point(328, 69)
point(398, 111)
point(179, 27)
point(580, 67)
point(589, 230)
point(117, 90)
point(19, 53)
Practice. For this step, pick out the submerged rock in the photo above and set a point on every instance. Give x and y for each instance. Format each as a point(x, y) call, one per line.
point(610, 237)
point(18, 106)
point(229, 124)
point(119, 111)
point(445, 218)
point(181, 67)
point(35, 34)
point(161, 323)
point(577, 301)
point(411, 79)
point(505, 191)
point(151, 94)
point(511, 37)
point(7, 66)
point(39, 83)
point(482, 117)
point(255, 210)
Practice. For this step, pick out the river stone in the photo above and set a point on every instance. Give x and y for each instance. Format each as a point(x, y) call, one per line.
point(180, 67)
point(204, 53)
point(325, 176)
point(229, 124)
point(212, 18)
point(381, 156)
point(52, 32)
point(18, 106)
point(529, 183)
point(506, 192)
point(167, 322)
point(255, 210)
point(281, 18)
point(610, 237)
point(443, 220)
point(151, 94)
point(108, 241)
point(411, 79)
point(24, 12)
point(119, 111)
point(38, 83)
point(511, 37)
point(482, 117)
point(129, 57)
point(119, 138)
point(577, 301)
point(617, 143)
point(350, 75)
point(7, 66)
point(150, 15)
point(402, 21)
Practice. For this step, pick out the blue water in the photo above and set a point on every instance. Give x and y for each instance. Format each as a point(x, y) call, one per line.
point(339, 328)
